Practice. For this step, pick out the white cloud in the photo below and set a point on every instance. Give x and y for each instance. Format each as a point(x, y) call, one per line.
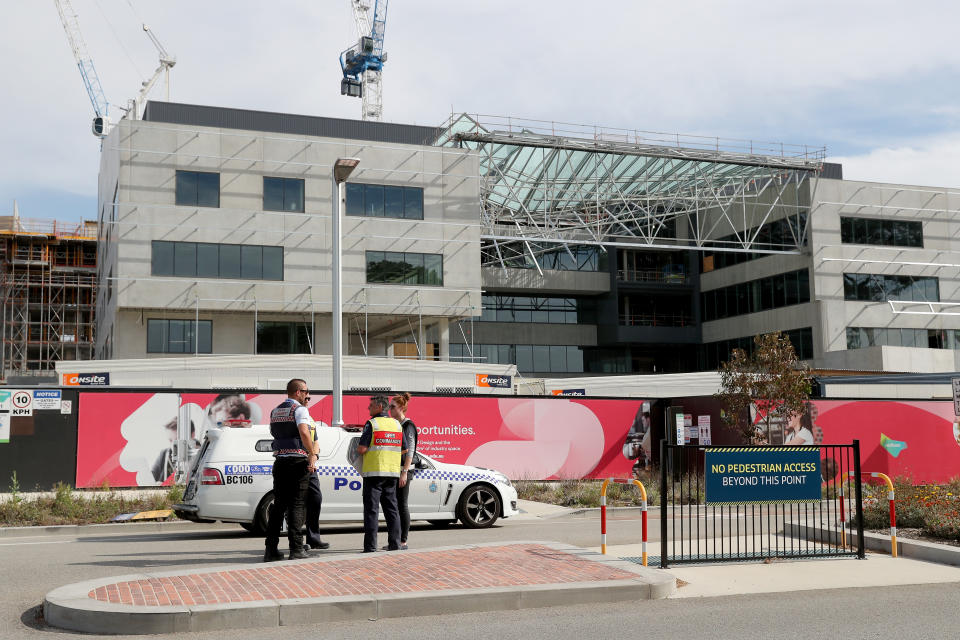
point(932, 162)
point(731, 68)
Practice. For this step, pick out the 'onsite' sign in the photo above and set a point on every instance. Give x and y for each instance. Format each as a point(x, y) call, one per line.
point(739, 475)
point(489, 380)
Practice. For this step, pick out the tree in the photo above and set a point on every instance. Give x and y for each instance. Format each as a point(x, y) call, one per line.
point(771, 380)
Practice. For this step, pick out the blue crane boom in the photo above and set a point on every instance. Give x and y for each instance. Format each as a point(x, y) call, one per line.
point(91, 81)
point(362, 64)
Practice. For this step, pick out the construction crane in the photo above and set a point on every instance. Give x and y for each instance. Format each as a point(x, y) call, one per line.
point(362, 64)
point(101, 120)
point(166, 63)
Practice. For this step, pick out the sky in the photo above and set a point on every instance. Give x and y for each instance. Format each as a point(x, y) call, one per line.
point(875, 83)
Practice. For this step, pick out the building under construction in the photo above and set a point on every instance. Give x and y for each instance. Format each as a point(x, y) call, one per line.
point(48, 273)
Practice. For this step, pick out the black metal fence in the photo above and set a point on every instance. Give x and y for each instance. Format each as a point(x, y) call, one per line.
point(693, 530)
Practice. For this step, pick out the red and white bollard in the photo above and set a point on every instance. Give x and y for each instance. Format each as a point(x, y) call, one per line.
point(603, 514)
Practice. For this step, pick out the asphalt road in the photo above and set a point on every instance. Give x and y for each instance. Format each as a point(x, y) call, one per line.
point(32, 566)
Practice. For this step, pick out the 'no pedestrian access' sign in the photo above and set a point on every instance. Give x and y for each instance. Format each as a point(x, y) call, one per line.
point(742, 475)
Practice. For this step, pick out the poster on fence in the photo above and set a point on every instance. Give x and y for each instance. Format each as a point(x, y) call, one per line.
point(125, 439)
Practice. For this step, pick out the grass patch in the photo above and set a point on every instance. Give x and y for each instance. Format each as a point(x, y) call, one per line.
point(67, 506)
point(585, 494)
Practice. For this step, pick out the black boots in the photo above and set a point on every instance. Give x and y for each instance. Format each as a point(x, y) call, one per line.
point(272, 554)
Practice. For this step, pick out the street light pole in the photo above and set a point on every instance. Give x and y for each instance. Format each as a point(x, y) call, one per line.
point(342, 169)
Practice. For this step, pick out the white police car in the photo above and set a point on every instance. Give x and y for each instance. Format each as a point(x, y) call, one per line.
point(231, 481)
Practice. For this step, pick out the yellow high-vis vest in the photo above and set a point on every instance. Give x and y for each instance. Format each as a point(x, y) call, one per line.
point(382, 459)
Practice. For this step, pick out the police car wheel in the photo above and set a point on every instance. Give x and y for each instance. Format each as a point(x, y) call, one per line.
point(479, 507)
point(263, 514)
point(441, 524)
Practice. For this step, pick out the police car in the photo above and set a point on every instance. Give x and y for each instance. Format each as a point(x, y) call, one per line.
point(231, 481)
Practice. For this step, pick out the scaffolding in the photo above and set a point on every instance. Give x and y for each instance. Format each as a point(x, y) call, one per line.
point(547, 187)
point(47, 292)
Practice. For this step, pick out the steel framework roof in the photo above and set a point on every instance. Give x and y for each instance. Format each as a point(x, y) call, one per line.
point(546, 186)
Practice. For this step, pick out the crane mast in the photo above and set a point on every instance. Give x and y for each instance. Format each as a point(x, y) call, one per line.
point(362, 64)
point(91, 81)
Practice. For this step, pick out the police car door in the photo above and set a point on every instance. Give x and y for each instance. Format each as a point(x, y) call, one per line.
point(340, 483)
point(426, 487)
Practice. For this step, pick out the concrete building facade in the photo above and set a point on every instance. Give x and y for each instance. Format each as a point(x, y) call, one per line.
point(215, 238)
point(242, 201)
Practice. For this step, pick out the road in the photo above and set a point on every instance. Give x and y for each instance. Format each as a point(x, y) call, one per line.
point(35, 565)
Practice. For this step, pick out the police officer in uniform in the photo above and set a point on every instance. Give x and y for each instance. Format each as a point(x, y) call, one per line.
point(380, 445)
point(296, 460)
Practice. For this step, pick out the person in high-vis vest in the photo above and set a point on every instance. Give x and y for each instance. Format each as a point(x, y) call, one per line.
point(380, 445)
point(296, 460)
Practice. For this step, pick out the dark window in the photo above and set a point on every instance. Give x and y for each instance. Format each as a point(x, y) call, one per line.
point(161, 263)
point(207, 260)
point(230, 261)
point(373, 201)
point(777, 291)
point(197, 189)
point(384, 201)
point(272, 263)
point(185, 259)
point(354, 199)
point(283, 337)
point(282, 194)
point(179, 336)
point(251, 262)
point(394, 267)
point(896, 233)
point(880, 288)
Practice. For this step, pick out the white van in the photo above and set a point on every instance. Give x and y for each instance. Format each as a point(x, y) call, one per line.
point(231, 481)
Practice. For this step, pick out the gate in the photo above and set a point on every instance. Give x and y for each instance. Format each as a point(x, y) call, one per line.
point(750, 500)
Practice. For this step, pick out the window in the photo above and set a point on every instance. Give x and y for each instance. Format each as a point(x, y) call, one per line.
point(549, 256)
point(497, 308)
point(283, 337)
point(179, 336)
point(394, 267)
point(894, 233)
point(198, 189)
point(539, 358)
point(714, 353)
point(207, 260)
point(282, 194)
point(384, 201)
point(777, 291)
point(870, 287)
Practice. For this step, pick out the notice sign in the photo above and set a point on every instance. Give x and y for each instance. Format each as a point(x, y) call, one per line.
point(680, 429)
point(956, 396)
point(703, 422)
point(46, 399)
point(738, 475)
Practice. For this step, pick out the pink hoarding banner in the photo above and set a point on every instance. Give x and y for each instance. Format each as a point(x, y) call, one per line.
point(124, 439)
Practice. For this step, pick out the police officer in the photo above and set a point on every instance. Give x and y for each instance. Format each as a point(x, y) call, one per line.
point(380, 445)
point(314, 499)
point(296, 460)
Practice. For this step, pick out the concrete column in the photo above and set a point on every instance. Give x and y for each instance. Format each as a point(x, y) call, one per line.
point(422, 340)
point(443, 325)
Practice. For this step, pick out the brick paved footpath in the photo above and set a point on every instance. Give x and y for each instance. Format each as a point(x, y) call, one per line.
point(333, 587)
point(398, 572)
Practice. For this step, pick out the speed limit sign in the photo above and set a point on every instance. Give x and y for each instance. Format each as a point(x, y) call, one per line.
point(22, 403)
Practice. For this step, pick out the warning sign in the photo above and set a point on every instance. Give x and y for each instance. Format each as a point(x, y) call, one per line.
point(22, 404)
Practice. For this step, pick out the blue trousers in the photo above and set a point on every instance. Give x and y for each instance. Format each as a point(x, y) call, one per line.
point(380, 492)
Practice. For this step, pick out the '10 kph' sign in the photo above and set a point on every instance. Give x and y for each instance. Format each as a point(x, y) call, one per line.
point(738, 475)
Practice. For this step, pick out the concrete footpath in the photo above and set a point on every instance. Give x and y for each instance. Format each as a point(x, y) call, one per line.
point(460, 579)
